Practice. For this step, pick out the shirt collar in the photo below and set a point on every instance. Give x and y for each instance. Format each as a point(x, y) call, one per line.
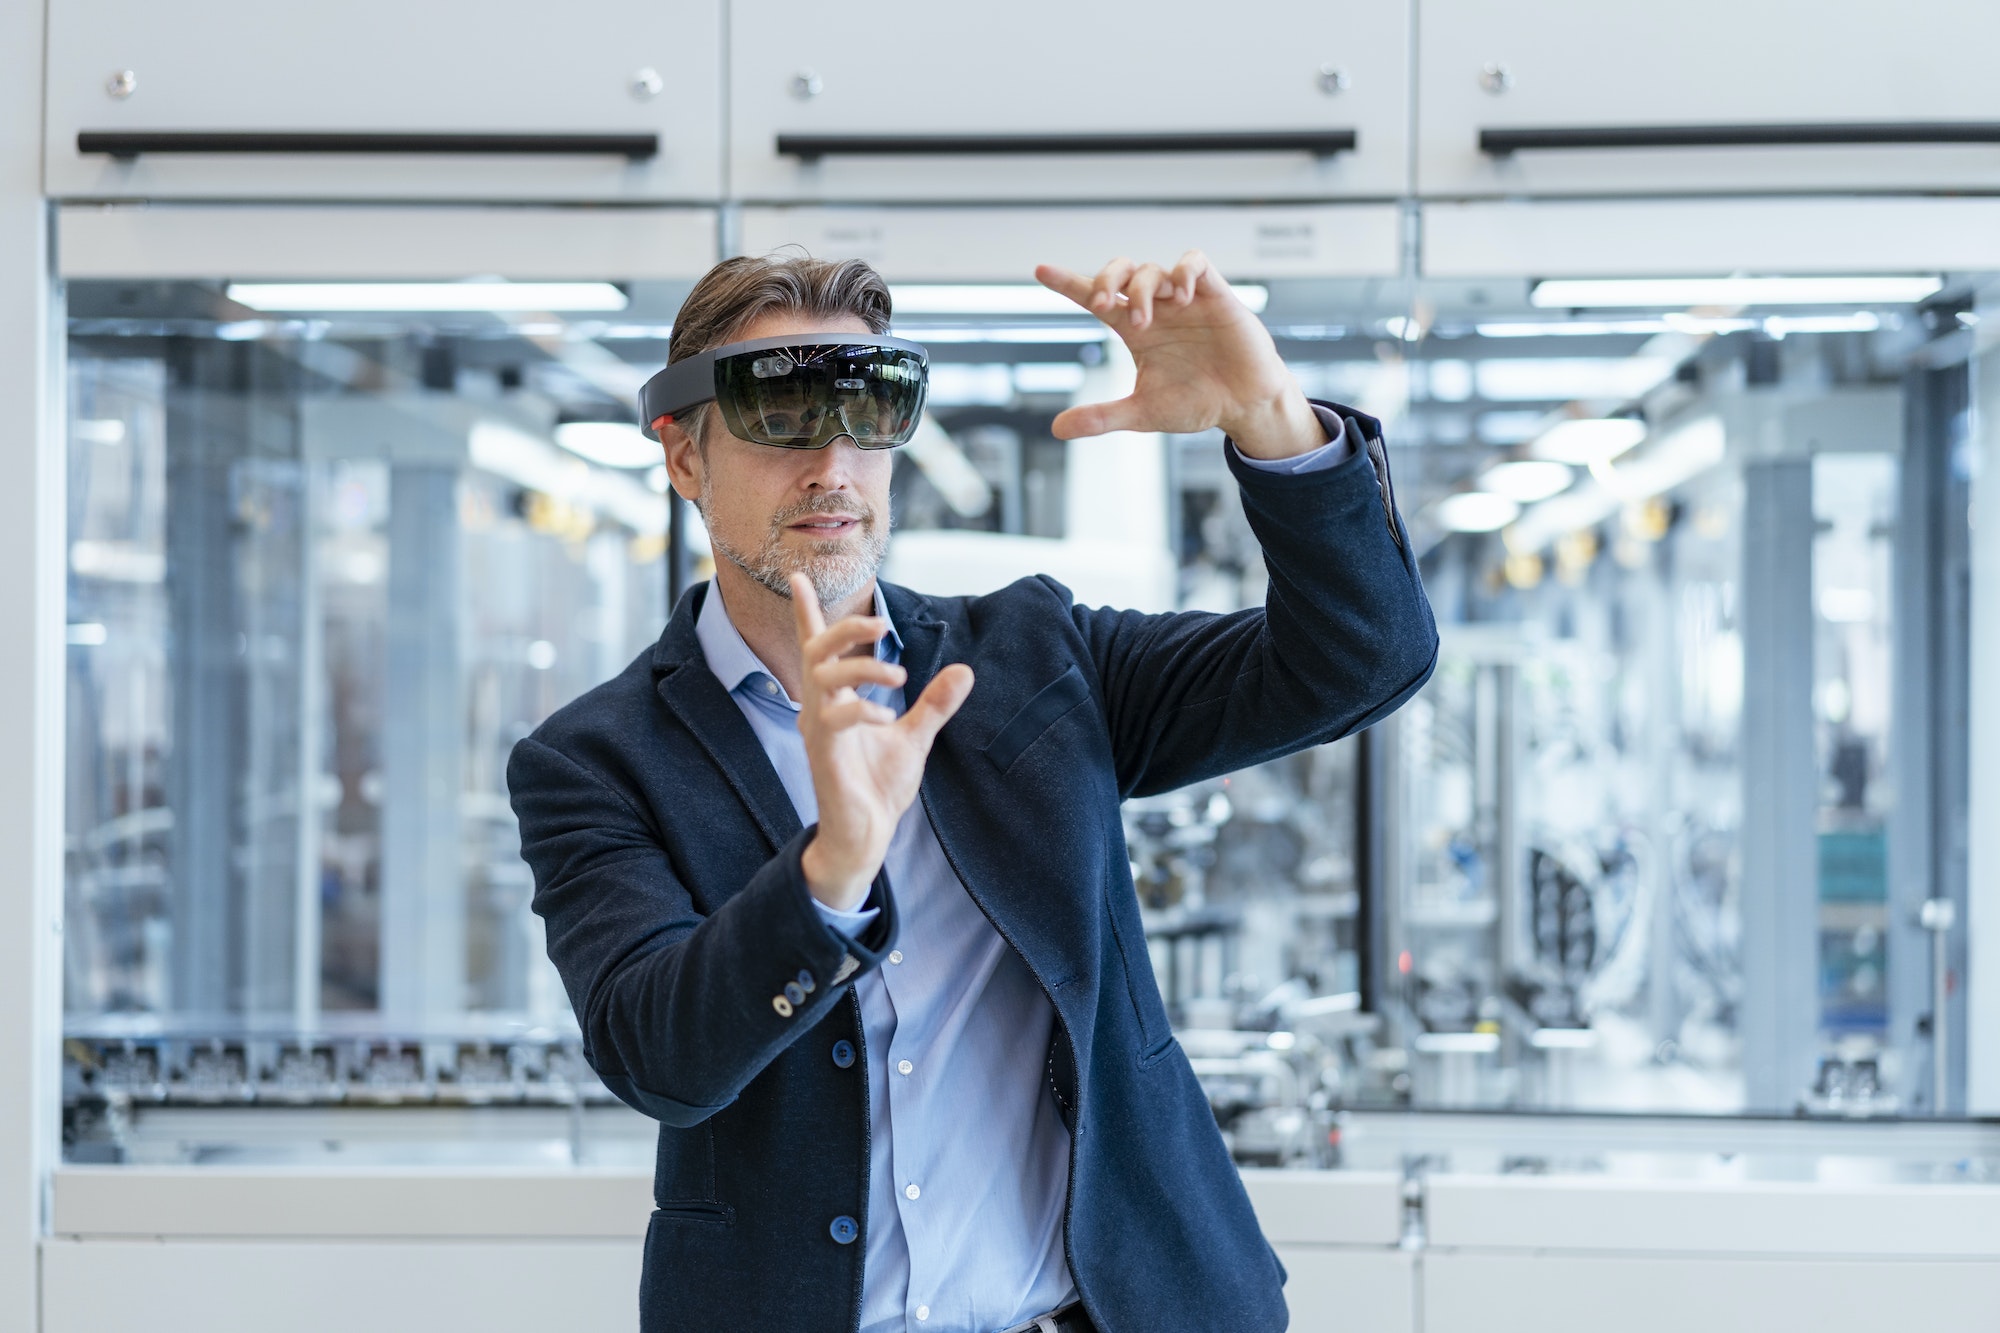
point(732, 659)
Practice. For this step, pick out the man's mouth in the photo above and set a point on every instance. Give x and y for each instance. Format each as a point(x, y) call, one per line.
point(827, 525)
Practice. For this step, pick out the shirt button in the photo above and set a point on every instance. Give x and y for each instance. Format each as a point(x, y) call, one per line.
point(904, 1067)
point(923, 1312)
point(843, 1054)
point(770, 687)
point(843, 1230)
point(911, 1191)
point(895, 955)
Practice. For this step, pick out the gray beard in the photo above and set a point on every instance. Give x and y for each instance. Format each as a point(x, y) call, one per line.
point(836, 575)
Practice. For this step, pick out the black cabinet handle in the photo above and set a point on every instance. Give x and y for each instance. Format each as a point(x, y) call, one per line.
point(127, 145)
point(1501, 143)
point(811, 147)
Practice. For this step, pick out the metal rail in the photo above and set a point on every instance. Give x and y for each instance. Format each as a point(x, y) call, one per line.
point(127, 145)
point(811, 147)
point(1505, 142)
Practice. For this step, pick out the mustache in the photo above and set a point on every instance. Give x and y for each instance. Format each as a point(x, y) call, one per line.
point(832, 506)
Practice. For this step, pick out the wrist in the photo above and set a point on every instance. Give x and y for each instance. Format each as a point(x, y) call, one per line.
point(1281, 427)
point(838, 887)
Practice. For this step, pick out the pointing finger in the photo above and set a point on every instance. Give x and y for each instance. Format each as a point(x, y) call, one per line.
point(805, 609)
point(1058, 279)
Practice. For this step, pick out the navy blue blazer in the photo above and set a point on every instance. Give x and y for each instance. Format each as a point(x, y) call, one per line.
point(714, 998)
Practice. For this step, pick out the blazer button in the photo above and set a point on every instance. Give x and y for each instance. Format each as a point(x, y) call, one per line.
point(795, 992)
point(843, 1230)
point(843, 1054)
point(782, 1005)
point(805, 981)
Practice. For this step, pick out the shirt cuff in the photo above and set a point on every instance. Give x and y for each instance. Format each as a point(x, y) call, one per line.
point(851, 924)
point(1335, 451)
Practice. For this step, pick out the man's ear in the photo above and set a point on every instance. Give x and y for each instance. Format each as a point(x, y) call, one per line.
point(684, 460)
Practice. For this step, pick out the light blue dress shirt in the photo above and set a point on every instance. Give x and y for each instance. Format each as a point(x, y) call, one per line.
point(969, 1161)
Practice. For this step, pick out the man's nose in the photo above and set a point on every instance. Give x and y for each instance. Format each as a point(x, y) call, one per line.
point(832, 468)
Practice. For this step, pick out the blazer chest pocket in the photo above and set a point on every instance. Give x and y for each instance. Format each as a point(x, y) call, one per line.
point(1037, 716)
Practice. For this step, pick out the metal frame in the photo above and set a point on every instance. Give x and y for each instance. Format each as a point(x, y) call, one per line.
point(1982, 924)
point(1780, 886)
point(1927, 835)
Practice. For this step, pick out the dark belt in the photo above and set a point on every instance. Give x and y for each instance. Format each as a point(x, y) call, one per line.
point(1070, 1319)
point(1074, 1320)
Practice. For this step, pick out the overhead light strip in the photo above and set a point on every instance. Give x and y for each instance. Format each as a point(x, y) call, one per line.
point(1003, 298)
point(1731, 293)
point(428, 297)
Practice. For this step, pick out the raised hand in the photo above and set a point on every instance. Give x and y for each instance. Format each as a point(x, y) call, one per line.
point(1203, 359)
point(866, 762)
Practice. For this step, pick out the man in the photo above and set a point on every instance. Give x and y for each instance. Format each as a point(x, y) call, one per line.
point(835, 874)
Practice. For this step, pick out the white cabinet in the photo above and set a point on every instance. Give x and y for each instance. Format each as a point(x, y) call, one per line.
point(1250, 242)
point(1571, 97)
point(381, 99)
point(1049, 100)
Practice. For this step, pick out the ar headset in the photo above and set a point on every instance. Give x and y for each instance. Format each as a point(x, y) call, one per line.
point(799, 391)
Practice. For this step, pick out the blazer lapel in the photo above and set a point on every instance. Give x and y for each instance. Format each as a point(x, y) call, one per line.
point(923, 638)
point(697, 698)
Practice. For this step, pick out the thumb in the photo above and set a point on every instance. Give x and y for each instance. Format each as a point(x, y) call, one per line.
point(1098, 419)
point(935, 706)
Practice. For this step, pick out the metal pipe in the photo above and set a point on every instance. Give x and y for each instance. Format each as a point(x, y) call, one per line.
point(1937, 915)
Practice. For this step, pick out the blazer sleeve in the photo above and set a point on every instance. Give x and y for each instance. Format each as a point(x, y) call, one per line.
point(1345, 635)
point(679, 1009)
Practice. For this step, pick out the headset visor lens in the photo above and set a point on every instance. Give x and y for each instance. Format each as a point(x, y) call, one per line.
point(806, 397)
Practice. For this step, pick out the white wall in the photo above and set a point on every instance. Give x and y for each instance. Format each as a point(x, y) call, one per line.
point(30, 662)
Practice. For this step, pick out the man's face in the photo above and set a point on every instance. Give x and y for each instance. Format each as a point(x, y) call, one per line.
point(773, 512)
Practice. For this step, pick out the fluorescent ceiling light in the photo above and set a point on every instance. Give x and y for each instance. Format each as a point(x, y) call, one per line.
point(1562, 379)
point(1860, 321)
point(1685, 453)
point(1571, 328)
point(447, 297)
point(1009, 298)
point(611, 443)
point(1589, 440)
point(1593, 293)
point(534, 464)
point(1006, 333)
point(1475, 511)
point(1526, 480)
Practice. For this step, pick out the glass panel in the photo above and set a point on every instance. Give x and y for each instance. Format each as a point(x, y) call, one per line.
point(323, 574)
point(325, 571)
